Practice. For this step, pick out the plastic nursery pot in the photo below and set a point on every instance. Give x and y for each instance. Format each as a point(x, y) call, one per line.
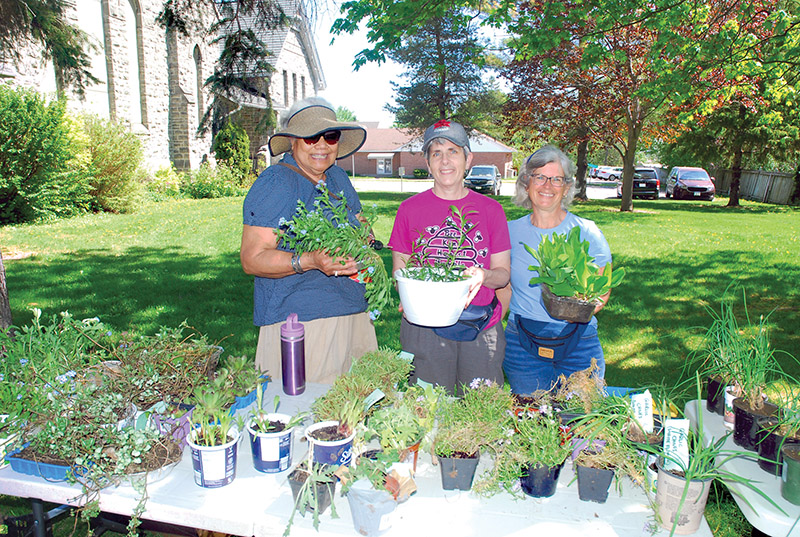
point(370, 508)
point(685, 517)
point(567, 308)
point(790, 475)
point(745, 422)
point(214, 466)
point(428, 303)
point(324, 491)
point(540, 481)
point(593, 483)
point(770, 441)
point(715, 395)
point(458, 473)
point(272, 452)
point(329, 451)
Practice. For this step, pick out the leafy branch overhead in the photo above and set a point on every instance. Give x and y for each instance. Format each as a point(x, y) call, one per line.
point(568, 269)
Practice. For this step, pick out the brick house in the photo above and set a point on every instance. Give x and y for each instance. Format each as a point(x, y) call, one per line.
point(397, 153)
point(153, 79)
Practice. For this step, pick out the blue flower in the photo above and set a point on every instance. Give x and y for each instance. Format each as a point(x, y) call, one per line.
point(61, 379)
point(19, 396)
point(23, 361)
point(374, 205)
point(70, 374)
point(2, 377)
point(281, 222)
point(108, 333)
point(374, 314)
point(370, 270)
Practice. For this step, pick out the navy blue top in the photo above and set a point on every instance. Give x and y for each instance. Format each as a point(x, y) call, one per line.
point(312, 294)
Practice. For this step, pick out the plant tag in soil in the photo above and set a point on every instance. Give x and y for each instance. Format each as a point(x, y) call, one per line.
point(676, 444)
point(373, 398)
point(642, 404)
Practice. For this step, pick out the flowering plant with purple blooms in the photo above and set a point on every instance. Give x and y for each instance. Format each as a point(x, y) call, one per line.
point(478, 420)
point(329, 226)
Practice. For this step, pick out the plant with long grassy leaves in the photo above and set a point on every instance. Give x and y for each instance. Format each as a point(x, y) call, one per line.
point(326, 227)
point(440, 263)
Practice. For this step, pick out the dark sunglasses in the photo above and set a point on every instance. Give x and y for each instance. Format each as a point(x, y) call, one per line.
point(330, 137)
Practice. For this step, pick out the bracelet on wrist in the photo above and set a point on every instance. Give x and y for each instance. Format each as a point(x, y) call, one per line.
point(296, 264)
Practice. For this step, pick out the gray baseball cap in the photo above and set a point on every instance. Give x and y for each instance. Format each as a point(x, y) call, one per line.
point(449, 130)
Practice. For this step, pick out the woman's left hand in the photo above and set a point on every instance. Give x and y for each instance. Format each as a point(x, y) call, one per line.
point(480, 276)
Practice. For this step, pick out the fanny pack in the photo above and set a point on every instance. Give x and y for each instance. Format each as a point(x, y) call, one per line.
point(544, 339)
point(472, 320)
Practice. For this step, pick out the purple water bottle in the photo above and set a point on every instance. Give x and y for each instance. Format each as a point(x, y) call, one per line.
point(293, 356)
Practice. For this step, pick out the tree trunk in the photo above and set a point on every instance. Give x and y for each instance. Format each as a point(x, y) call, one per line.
point(5, 307)
point(580, 174)
point(635, 124)
point(736, 168)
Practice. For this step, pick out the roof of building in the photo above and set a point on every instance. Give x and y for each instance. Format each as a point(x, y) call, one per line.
point(392, 140)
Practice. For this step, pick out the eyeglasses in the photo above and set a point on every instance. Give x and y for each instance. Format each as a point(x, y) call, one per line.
point(330, 137)
point(541, 180)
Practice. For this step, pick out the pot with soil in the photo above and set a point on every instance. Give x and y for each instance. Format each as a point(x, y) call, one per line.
point(540, 481)
point(329, 444)
point(458, 470)
point(214, 465)
point(593, 483)
point(431, 303)
point(271, 442)
point(772, 436)
point(790, 476)
point(680, 504)
point(715, 395)
point(745, 424)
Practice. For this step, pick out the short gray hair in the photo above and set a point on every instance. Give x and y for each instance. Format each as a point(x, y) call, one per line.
point(440, 141)
point(540, 158)
point(286, 115)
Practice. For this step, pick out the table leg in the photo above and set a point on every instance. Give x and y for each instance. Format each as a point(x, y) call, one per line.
point(39, 521)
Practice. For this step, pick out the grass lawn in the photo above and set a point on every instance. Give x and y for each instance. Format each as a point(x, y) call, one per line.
point(179, 261)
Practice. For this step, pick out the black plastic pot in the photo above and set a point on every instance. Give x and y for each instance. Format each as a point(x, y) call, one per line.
point(770, 441)
point(745, 424)
point(540, 481)
point(324, 491)
point(715, 395)
point(457, 474)
point(593, 483)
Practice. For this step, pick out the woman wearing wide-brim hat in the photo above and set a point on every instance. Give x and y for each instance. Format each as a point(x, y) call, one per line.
point(314, 285)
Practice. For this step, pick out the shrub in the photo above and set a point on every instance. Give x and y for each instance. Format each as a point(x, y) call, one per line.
point(114, 156)
point(419, 173)
point(165, 183)
point(38, 178)
point(208, 182)
point(232, 147)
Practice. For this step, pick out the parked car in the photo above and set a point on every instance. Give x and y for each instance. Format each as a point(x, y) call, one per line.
point(484, 178)
point(645, 183)
point(684, 182)
point(609, 173)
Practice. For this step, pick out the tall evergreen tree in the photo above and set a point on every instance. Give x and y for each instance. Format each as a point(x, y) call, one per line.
point(444, 61)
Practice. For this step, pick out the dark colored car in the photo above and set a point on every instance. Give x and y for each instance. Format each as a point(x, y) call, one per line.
point(690, 183)
point(645, 183)
point(484, 178)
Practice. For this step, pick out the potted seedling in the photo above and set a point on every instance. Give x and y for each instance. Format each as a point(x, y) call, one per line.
point(432, 286)
point(571, 281)
point(478, 421)
point(398, 430)
point(214, 439)
point(313, 486)
point(271, 436)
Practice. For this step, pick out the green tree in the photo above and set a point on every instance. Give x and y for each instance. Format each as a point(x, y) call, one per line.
point(345, 114)
point(444, 60)
point(232, 147)
point(43, 22)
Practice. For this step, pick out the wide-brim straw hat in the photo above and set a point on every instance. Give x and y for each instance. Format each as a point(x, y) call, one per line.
point(316, 119)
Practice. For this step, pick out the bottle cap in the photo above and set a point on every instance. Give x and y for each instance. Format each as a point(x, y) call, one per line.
point(292, 328)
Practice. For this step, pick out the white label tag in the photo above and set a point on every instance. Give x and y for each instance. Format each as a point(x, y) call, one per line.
point(676, 444)
point(643, 410)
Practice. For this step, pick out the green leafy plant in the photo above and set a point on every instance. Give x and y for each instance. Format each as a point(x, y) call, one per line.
point(444, 267)
point(211, 419)
point(210, 182)
point(314, 478)
point(231, 146)
point(260, 421)
point(326, 227)
point(479, 419)
point(396, 427)
point(566, 267)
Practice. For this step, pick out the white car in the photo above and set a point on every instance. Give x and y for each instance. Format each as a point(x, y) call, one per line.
point(609, 173)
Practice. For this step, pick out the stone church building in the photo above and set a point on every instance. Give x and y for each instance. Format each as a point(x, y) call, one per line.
point(153, 80)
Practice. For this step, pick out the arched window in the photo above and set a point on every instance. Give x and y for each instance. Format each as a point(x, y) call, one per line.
point(137, 109)
point(198, 71)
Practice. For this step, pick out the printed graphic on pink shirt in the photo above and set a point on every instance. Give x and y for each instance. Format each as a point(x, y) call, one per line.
point(441, 239)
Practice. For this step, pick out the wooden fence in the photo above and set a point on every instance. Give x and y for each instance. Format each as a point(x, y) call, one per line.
point(758, 185)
